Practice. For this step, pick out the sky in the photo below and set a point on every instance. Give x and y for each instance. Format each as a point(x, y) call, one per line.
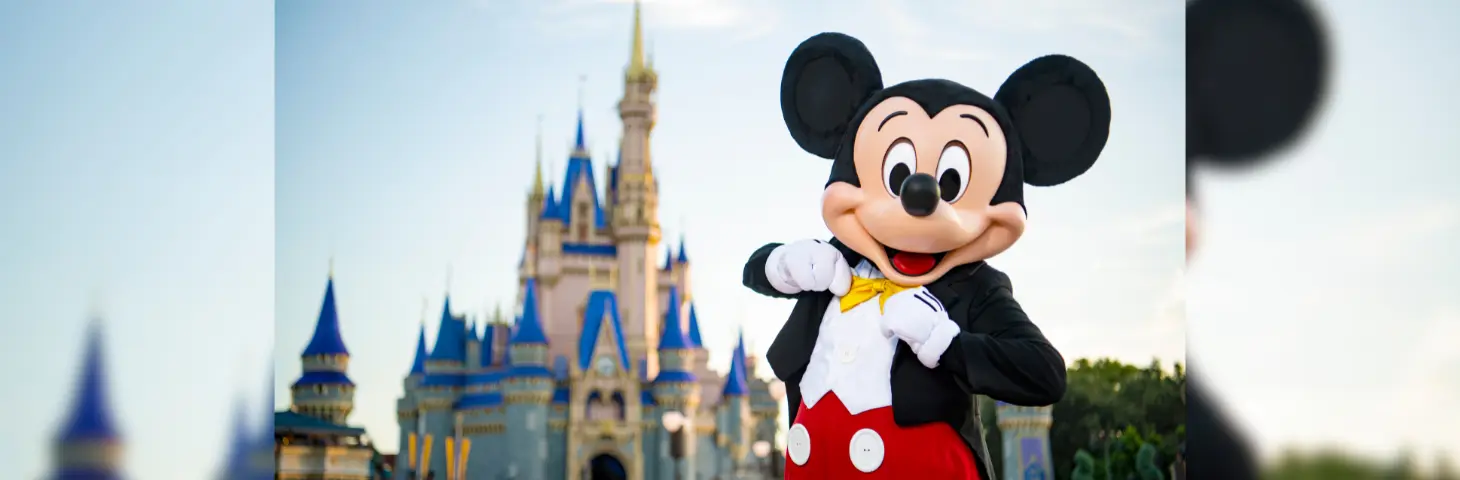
point(1322, 304)
point(405, 147)
point(136, 186)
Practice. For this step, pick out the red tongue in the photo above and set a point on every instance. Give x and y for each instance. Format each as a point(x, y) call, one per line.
point(913, 263)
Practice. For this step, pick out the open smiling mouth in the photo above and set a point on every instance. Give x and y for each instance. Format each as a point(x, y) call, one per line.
point(912, 264)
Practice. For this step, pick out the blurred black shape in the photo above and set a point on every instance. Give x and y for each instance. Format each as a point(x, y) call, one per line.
point(1220, 449)
point(1255, 73)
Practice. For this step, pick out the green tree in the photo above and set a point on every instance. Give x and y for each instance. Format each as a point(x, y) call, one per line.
point(1323, 465)
point(1130, 404)
point(1146, 463)
point(1084, 466)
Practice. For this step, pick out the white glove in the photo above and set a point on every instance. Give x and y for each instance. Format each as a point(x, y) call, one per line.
point(918, 318)
point(808, 266)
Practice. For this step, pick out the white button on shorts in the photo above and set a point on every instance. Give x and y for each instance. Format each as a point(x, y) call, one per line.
point(798, 444)
point(867, 450)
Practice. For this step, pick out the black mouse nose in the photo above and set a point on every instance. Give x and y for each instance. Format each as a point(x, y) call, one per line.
point(920, 195)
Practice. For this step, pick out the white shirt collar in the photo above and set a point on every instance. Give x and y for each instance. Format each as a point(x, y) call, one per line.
point(865, 269)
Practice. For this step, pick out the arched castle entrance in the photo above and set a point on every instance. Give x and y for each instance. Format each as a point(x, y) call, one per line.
point(606, 466)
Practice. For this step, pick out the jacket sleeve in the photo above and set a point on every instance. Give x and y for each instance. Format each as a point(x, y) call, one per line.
point(1003, 355)
point(754, 276)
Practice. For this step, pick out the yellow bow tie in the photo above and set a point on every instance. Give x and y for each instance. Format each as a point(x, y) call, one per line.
point(863, 289)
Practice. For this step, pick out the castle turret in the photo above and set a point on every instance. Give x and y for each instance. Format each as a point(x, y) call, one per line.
point(765, 408)
point(699, 355)
point(1026, 440)
point(636, 215)
point(89, 446)
point(676, 388)
point(528, 390)
point(407, 413)
point(733, 412)
point(324, 390)
point(441, 387)
point(449, 354)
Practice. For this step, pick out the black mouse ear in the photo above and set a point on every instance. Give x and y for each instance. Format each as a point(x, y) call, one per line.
point(1062, 115)
point(1255, 70)
point(826, 81)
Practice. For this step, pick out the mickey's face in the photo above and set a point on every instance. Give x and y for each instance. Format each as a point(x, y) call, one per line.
point(928, 175)
point(923, 206)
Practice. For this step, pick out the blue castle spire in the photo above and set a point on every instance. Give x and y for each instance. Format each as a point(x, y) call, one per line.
point(90, 431)
point(674, 337)
point(489, 336)
point(694, 328)
point(450, 337)
point(550, 204)
point(580, 143)
point(674, 345)
point(669, 258)
point(737, 382)
point(529, 328)
point(327, 340)
point(91, 417)
point(580, 165)
point(683, 252)
point(601, 312)
point(418, 366)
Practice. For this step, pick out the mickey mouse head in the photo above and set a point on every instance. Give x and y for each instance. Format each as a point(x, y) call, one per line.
point(1255, 72)
point(928, 175)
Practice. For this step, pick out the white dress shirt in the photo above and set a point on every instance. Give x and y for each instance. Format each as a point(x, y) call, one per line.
point(852, 357)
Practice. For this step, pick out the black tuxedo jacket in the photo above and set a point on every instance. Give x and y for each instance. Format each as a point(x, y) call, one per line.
point(999, 353)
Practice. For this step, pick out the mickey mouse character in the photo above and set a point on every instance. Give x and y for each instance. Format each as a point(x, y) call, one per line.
point(898, 321)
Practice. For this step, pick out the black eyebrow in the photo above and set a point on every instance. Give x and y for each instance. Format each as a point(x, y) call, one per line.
point(890, 116)
point(980, 123)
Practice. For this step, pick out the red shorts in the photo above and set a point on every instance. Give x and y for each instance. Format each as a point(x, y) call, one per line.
point(828, 442)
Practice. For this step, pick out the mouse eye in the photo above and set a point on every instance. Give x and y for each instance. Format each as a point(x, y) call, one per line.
point(898, 165)
point(953, 168)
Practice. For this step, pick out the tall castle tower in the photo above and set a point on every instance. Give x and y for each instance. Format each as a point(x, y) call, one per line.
point(574, 388)
point(1026, 441)
point(324, 390)
point(89, 446)
point(636, 215)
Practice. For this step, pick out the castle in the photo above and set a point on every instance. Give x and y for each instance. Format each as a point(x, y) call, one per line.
point(90, 446)
point(604, 346)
